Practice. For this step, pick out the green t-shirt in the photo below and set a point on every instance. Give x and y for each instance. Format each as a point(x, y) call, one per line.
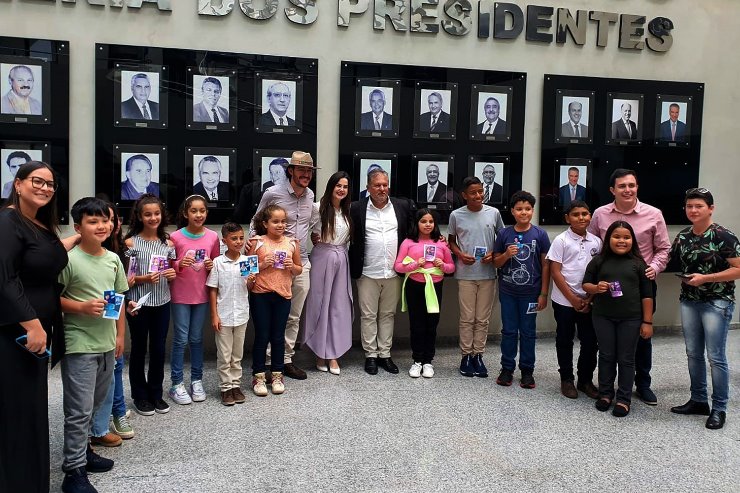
point(85, 278)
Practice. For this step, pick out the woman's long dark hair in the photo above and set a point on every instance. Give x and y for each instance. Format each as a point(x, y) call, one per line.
point(136, 225)
point(46, 215)
point(435, 235)
point(326, 209)
point(264, 216)
point(606, 249)
point(115, 242)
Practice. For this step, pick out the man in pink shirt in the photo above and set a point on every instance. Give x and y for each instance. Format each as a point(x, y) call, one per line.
point(652, 238)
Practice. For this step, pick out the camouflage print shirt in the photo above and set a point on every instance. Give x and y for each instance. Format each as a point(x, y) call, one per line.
point(706, 253)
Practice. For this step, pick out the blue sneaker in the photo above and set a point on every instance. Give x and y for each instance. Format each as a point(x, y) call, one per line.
point(466, 366)
point(478, 367)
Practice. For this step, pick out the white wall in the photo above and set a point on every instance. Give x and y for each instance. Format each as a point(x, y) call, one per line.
point(704, 35)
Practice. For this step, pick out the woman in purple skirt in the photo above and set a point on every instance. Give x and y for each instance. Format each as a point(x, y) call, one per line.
point(328, 314)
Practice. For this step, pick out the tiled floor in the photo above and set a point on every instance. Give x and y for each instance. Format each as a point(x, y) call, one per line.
point(357, 432)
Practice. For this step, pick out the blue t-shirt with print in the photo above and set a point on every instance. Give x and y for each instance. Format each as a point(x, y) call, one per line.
point(521, 275)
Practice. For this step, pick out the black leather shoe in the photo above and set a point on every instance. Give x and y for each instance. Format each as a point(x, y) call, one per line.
point(96, 463)
point(692, 407)
point(291, 370)
point(388, 365)
point(371, 366)
point(75, 481)
point(716, 420)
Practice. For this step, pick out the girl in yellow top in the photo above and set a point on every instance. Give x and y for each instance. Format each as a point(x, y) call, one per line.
point(279, 260)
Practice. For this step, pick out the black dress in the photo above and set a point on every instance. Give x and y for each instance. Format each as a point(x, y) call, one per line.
point(31, 259)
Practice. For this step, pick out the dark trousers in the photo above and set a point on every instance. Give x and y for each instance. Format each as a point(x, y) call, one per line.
point(422, 325)
point(269, 314)
point(617, 343)
point(644, 354)
point(148, 329)
point(569, 322)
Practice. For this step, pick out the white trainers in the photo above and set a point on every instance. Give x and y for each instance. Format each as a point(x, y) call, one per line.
point(178, 394)
point(427, 371)
point(415, 370)
point(196, 390)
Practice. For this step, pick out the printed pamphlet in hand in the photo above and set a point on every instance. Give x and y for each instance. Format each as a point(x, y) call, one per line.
point(200, 255)
point(157, 262)
point(479, 253)
point(253, 263)
point(243, 268)
point(132, 262)
point(531, 308)
point(141, 302)
point(430, 253)
point(280, 256)
point(113, 305)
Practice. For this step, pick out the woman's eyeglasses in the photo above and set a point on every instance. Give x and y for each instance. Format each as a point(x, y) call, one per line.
point(40, 183)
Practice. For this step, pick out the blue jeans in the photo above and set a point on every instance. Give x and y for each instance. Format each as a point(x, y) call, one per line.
point(518, 329)
point(113, 404)
point(187, 322)
point(269, 314)
point(705, 324)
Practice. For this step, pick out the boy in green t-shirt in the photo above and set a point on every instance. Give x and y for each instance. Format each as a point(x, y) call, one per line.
point(91, 340)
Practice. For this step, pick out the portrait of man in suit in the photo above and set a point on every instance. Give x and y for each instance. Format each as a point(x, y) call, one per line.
point(673, 129)
point(493, 192)
point(571, 190)
point(573, 127)
point(624, 128)
point(493, 124)
point(431, 190)
point(377, 118)
point(436, 119)
point(138, 172)
point(278, 98)
point(208, 109)
point(210, 185)
point(139, 106)
point(18, 100)
point(14, 161)
point(275, 173)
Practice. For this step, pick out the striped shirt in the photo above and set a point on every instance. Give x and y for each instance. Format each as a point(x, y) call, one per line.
point(143, 251)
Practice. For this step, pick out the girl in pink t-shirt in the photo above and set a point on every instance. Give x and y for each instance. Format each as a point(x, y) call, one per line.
point(424, 258)
point(195, 246)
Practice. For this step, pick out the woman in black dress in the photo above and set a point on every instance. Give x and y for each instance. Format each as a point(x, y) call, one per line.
point(31, 257)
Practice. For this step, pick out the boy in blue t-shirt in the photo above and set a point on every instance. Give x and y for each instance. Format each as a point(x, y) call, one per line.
point(519, 251)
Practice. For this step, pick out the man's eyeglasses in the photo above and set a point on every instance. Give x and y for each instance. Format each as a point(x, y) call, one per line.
point(700, 191)
point(40, 183)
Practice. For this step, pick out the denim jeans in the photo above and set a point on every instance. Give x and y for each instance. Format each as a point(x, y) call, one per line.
point(188, 330)
point(569, 322)
point(705, 324)
point(269, 314)
point(518, 329)
point(113, 404)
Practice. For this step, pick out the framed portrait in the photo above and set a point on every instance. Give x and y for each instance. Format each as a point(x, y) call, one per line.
point(573, 178)
point(14, 154)
point(377, 108)
point(490, 112)
point(433, 186)
point(672, 120)
point(280, 103)
point(212, 171)
point(139, 96)
point(140, 169)
point(364, 163)
point(435, 110)
point(211, 100)
point(574, 117)
point(624, 122)
point(25, 90)
point(270, 166)
point(492, 171)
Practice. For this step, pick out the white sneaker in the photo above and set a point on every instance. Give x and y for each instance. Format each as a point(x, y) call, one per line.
point(178, 394)
point(196, 390)
point(427, 371)
point(415, 370)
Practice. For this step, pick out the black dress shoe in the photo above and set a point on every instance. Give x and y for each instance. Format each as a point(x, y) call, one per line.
point(716, 420)
point(371, 366)
point(388, 365)
point(96, 463)
point(692, 407)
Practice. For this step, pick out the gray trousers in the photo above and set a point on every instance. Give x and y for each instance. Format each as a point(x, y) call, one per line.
point(86, 379)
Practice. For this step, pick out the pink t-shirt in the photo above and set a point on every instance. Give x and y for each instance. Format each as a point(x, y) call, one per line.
point(189, 287)
point(415, 250)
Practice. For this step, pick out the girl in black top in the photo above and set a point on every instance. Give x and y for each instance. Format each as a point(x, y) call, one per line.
point(622, 312)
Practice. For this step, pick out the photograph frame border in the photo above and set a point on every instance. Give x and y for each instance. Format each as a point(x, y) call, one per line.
point(610, 97)
point(118, 121)
point(559, 95)
point(432, 85)
point(45, 117)
point(259, 107)
point(568, 162)
point(26, 145)
point(229, 72)
point(475, 91)
point(670, 98)
point(118, 150)
point(395, 105)
point(450, 159)
point(478, 158)
point(357, 158)
point(191, 151)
